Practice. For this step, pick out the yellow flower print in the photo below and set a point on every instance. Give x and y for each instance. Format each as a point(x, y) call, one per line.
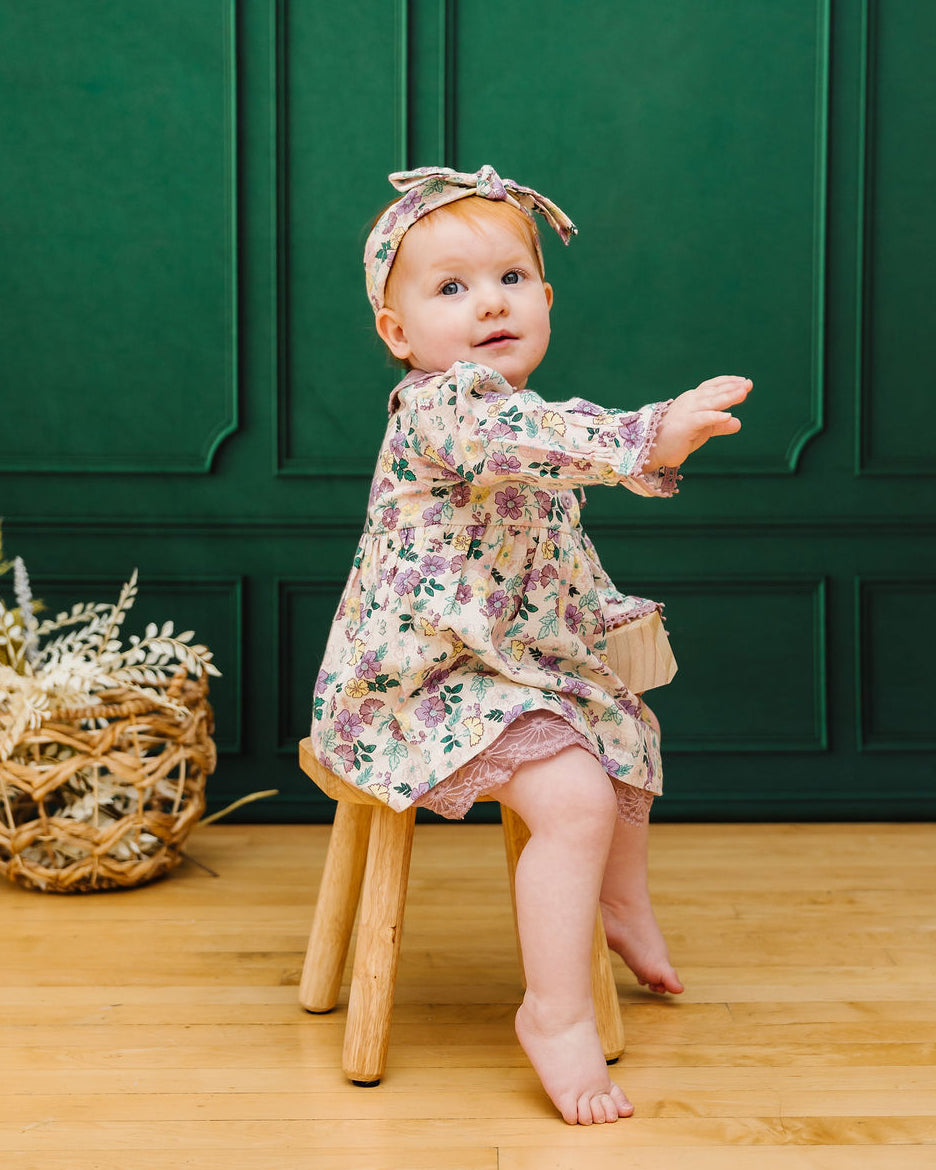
point(357, 688)
point(386, 462)
point(462, 542)
point(353, 611)
point(554, 421)
point(457, 646)
point(426, 628)
point(516, 649)
point(358, 652)
point(431, 453)
point(381, 791)
point(475, 728)
point(549, 549)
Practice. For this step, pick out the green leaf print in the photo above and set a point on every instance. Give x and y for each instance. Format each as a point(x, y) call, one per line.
point(549, 625)
point(480, 685)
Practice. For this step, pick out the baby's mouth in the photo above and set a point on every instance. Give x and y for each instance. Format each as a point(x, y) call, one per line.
point(495, 338)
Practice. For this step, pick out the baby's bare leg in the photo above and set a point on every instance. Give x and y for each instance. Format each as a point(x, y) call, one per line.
point(568, 805)
point(630, 923)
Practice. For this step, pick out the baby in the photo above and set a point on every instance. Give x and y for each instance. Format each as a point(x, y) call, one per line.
point(468, 656)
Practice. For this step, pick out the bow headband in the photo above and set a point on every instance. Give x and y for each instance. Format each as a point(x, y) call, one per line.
point(427, 188)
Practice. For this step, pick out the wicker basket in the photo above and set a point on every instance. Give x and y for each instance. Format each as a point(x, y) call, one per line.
point(104, 797)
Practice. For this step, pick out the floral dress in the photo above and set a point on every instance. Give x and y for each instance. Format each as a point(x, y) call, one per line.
point(475, 597)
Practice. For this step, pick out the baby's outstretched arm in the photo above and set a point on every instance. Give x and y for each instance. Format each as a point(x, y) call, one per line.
point(695, 417)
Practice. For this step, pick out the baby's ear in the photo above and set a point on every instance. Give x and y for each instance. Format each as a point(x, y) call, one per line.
point(392, 334)
point(548, 289)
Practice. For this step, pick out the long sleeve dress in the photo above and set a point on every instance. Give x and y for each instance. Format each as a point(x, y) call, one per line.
point(475, 597)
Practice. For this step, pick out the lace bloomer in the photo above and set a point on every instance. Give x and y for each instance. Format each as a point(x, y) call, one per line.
point(536, 735)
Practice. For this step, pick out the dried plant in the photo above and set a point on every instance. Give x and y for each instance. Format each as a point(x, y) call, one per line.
point(77, 659)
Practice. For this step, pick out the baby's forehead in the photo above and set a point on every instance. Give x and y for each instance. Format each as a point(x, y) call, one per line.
point(440, 240)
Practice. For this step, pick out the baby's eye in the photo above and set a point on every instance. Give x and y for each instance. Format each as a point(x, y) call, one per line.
point(512, 277)
point(451, 287)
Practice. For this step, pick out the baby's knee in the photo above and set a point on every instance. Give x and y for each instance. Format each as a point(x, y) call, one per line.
point(576, 797)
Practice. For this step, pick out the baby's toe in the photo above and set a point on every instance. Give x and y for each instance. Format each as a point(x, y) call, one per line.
point(623, 1107)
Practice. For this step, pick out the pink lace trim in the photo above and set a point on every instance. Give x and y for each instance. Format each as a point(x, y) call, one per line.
point(537, 735)
point(664, 479)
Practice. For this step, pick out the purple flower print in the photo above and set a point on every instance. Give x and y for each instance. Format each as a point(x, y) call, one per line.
point(495, 604)
point(407, 582)
point(369, 666)
point(390, 517)
point(348, 725)
point(436, 679)
point(513, 713)
point(462, 594)
point(628, 706)
point(582, 406)
point(610, 766)
point(502, 464)
point(549, 662)
point(574, 686)
point(573, 618)
point(431, 565)
point(509, 502)
point(631, 430)
point(346, 752)
point(559, 457)
point(501, 430)
point(406, 535)
point(543, 503)
point(461, 494)
point(475, 531)
point(321, 682)
point(457, 562)
point(397, 443)
point(567, 710)
point(368, 709)
point(431, 711)
point(433, 514)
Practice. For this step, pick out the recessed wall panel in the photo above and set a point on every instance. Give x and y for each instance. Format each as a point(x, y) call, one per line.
point(340, 73)
point(751, 655)
point(897, 649)
point(304, 615)
point(117, 241)
point(899, 342)
point(688, 142)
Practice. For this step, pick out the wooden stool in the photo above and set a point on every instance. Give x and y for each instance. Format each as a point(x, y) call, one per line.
point(371, 844)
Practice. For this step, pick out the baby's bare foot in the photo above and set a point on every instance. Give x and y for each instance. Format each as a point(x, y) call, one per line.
point(634, 933)
point(569, 1061)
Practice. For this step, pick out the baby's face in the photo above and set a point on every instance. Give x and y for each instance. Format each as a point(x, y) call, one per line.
point(467, 294)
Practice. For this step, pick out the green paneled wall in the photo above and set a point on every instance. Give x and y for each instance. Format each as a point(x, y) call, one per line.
point(192, 384)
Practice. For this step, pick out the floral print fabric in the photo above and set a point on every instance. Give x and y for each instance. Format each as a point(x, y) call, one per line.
point(474, 595)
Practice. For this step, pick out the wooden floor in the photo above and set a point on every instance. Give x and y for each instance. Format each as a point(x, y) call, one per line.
point(158, 1028)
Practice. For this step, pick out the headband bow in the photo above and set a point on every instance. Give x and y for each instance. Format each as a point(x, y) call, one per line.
point(427, 188)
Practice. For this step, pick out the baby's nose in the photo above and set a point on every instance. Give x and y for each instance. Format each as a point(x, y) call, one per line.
point(492, 301)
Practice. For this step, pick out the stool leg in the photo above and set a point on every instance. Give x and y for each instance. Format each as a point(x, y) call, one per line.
point(605, 996)
point(516, 835)
point(383, 900)
point(604, 990)
point(335, 908)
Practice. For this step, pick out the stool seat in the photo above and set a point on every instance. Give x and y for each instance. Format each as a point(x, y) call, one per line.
point(367, 865)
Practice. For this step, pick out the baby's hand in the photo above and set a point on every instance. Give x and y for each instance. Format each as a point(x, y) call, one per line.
point(695, 417)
